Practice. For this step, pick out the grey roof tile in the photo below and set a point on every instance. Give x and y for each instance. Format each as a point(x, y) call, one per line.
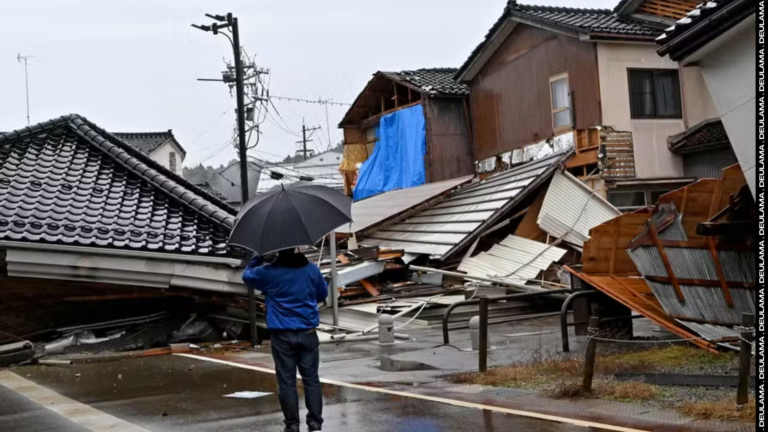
point(147, 142)
point(435, 81)
point(68, 181)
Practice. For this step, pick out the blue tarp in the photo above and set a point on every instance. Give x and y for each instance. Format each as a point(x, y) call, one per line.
point(397, 161)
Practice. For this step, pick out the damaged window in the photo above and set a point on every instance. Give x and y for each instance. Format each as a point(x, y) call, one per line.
point(627, 200)
point(560, 94)
point(654, 93)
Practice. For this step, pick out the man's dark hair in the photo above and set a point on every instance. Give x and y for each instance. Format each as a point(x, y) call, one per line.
point(290, 258)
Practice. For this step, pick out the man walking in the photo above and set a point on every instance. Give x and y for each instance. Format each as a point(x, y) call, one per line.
point(292, 287)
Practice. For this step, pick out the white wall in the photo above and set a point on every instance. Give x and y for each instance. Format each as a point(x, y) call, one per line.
point(652, 157)
point(161, 155)
point(729, 66)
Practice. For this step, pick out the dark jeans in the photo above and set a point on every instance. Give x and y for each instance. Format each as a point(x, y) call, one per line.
point(291, 351)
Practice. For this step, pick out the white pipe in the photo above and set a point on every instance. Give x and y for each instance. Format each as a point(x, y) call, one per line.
point(526, 288)
point(55, 362)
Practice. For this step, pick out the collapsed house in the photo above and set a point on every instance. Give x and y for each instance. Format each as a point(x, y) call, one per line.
point(93, 230)
point(513, 230)
point(687, 264)
point(425, 136)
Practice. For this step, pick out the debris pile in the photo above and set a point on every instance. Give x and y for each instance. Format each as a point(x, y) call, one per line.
point(688, 264)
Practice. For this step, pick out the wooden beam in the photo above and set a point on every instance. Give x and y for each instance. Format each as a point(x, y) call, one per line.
point(665, 260)
point(410, 98)
point(394, 84)
point(382, 104)
point(701, 282)
point(373, 119)
point(720, 273)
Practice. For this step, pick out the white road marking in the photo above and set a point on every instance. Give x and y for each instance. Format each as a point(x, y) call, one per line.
point(84, 415)
point(453, 402)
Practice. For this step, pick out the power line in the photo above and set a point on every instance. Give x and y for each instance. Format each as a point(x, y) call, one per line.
point(318, 101)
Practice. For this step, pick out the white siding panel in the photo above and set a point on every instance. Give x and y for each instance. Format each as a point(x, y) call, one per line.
point(519, 257)
point(571, 209)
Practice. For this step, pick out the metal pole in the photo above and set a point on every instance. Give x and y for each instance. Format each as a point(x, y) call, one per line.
point(303, 140)
point(328, 126)
point(483, 334)
point(519, 286)
point(26, 83)
point(589, 362)
point(334, 278)
point(745, 359)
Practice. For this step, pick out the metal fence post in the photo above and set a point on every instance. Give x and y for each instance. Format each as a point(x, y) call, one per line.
point(745, 359)
point(589, 361)
point(483, 334)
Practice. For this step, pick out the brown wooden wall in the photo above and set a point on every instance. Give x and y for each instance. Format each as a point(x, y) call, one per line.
point(449, 147)
point(510, 97)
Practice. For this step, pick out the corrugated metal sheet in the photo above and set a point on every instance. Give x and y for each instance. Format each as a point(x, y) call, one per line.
point(437, 231)
point(571, 209)
point(702, 303)
point(708, 164)
point(374, 210)
point(515, 259)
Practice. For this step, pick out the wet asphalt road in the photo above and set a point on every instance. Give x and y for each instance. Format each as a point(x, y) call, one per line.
point(175, 394)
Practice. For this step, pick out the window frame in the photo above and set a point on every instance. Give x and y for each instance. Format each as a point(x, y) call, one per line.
point(552, 109)
point(634, 191)
point(655, 116)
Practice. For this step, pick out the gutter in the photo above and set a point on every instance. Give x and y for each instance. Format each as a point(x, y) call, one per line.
point(4, 244)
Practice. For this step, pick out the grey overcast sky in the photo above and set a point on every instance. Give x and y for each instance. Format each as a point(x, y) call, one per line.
point(132, 66)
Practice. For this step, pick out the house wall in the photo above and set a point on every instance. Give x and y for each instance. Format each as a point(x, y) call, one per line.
point(510, 98)
point(652, 156)
point(449, 148)
point(161, 155)
point(729, 69)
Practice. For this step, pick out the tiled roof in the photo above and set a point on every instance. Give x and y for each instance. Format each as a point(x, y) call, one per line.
point(591, 22)
point(435, 81)
point(68, 181)
point(147, 142)
point(212, 191)
point(705, 135)
point(583, 20)
point(696, 30)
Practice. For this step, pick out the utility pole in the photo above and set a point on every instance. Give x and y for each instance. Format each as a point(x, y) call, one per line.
point(230, 22)
point(20, 58)
point(305, 139)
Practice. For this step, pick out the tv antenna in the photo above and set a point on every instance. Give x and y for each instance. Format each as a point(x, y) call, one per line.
point(24, 59)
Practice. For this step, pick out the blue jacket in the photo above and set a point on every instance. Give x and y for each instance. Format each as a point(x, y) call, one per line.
point(291, 294)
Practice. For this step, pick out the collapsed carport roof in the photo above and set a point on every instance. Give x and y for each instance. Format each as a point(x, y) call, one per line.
point(447, 227)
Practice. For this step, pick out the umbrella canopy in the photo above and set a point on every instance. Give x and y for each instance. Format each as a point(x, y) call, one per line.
point(293, 215)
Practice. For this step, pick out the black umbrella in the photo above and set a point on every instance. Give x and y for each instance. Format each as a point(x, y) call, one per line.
point(292, 215)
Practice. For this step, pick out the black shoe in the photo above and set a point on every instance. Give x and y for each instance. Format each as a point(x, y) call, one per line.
point(291, 429)
point(314, 427)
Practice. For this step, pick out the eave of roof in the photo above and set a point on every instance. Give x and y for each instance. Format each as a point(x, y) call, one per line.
point(402, 78)
point(703, 25)
point(587, 29)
